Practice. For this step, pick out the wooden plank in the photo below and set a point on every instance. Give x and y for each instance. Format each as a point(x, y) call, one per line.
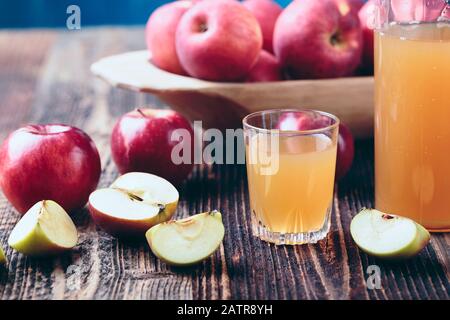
point(102, 267)
point(22, 55)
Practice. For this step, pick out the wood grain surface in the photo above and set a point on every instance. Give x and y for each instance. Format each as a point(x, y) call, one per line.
point(44, 77)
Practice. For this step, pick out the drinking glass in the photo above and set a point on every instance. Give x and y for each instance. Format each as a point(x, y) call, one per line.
point(291, 161)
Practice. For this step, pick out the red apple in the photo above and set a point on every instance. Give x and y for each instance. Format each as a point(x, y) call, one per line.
point(142, 142)
point(266, 12)
point(297, 121)
point(313, 39)
point(366, 18)
point(48, 162)
point(345, 151)
point(160, 35)
point(345, 143)
point(267, 68)
point(417, 10)
point(218, 40)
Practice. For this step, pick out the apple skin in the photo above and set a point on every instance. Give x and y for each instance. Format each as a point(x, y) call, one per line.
point(160, 35)
point(446, 13)
point(417, 10)
point(345, 151)
point(297, 121)
point(365, 17)
point(126, 228)
point(313, 45)
point(267, 68)
point(141, 142)
point(215, 46)
point(266, 12)
point(53, 161)
point(3, 259)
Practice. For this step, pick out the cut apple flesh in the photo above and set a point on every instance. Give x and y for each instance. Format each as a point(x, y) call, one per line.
point(45, 229)
point(188, 241)
point(120, 204)
point(148, 187)
point(388, 236)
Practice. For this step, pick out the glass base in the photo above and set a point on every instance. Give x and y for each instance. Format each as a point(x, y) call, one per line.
point(279, 238)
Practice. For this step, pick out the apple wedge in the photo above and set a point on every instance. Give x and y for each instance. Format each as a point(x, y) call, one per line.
point(187, 241)
point(2, 256)
point(388, 236)
point(134, 203)
point(45, 229)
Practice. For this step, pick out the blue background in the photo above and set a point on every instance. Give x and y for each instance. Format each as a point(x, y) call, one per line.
point(52, 13)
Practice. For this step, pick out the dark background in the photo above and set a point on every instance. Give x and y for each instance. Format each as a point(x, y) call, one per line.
point(52, 13)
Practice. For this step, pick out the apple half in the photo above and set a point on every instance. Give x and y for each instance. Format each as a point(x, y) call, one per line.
point(134, 203)
point(388, 236)
point(187, 241)
point(45, 229)
point(2, 256)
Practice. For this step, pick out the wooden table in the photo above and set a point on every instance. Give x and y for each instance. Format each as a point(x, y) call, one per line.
point(44, 77)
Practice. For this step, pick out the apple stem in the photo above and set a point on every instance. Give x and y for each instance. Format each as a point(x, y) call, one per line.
point(387, 217)
point(141, 112)
point(336, 38)
point(203, 27)
point(33, 128)
point(213, 212)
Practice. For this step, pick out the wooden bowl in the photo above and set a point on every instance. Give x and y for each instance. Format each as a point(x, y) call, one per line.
point(223, 105)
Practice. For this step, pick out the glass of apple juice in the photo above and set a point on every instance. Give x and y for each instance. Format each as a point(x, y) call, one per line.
point(291, 161)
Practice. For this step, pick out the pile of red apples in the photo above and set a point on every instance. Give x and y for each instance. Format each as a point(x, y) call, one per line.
point(258, 41)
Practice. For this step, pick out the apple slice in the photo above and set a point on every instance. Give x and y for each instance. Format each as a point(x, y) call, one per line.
point(388, 236)
point(2, 256)
point(45, 229)
point(134, 203)
point(187, 241)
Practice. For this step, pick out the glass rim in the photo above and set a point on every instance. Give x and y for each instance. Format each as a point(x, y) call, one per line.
point(330, 127)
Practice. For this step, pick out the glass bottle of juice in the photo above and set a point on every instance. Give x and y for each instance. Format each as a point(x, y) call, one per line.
point(412, 112)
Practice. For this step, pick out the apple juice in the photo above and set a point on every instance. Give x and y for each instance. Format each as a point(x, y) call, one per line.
point(296, 197)
point(412, 130)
